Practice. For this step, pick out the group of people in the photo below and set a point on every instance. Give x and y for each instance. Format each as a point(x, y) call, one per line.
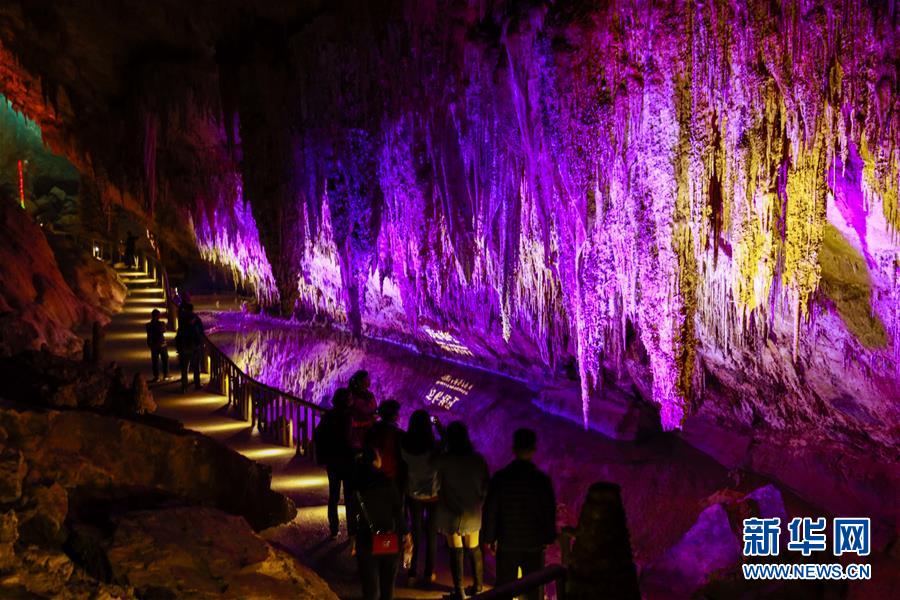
point(188, 343)
point(403, 488)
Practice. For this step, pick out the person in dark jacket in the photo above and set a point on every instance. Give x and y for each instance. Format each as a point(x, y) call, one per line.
point(462, 486)
point(156, 341)
point(385, 437)
point(130, 242)
point(333, 451)
point(520, 514)
point(189, 344)
point(376, 508)
point(362, 407)
point(418, 449)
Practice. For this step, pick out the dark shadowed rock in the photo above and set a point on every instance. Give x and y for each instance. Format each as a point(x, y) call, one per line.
point(95, 458)
point(205, 553)
point(43, 379)
point(42, 520)
point(141, 399)
point(9, 534)
point(602, 565)
point(12, 473)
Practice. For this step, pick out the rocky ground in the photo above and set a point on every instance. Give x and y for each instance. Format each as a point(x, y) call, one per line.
point(98, 501)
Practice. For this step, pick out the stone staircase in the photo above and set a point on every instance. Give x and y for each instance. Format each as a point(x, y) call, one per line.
point(207, 413)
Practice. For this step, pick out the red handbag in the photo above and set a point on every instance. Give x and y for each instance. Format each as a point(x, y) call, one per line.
point(383, 542)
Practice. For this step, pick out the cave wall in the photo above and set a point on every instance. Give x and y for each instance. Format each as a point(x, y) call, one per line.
point(697, 200)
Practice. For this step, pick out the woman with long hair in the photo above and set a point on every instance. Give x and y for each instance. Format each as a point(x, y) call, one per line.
point(376, 518)
point(418, 449)
point(462, 477)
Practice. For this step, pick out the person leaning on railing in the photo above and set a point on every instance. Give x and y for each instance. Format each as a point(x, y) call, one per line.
point(189, 344)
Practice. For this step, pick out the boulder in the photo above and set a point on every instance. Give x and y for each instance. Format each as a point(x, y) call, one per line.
point(99, 458)
point(9, 534)
point(49, 573)
point(45, 573)
point(42, 521)
point(94, 281)
point(141, 399)
point(12, 472)
point(38, 305)
point(67, 221)
point(204, 553)
point(58, 196)
point(43, 202)
point(712, 547)
point(39, 378)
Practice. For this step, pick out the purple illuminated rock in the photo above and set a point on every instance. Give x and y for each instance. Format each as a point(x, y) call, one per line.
point(712, 547)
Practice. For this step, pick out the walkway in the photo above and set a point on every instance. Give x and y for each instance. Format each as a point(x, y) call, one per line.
point(298, 478)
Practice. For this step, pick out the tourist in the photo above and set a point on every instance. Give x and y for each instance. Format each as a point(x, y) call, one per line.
point(385, 436)
point(181, 300)
point(463, 477)
point(332, 447)
point(418, 449)
point(189, 344)
point(520, 514)
point(362, 407)
point(378, 528)
point(156, 341)
point(130, 241)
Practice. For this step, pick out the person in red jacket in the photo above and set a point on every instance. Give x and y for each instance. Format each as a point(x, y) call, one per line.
point(362, 407)
point(385, 437)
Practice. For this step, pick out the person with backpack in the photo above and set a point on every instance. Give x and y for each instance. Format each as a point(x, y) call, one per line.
point(333, 451)
point(189, 344)
point(418, 449)
point(385, 436)
point(519, 518)
point(156, 341)
point(463, 477)
point(378, 529)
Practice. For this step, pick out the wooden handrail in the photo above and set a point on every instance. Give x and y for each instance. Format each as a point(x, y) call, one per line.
point(508, 591)
point(265, 406)
point(259, 384)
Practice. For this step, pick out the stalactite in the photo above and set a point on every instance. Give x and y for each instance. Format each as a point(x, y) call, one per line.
point(529, 185)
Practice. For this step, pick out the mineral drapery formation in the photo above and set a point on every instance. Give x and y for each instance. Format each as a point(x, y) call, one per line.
point(517, 182)
point(693, 201)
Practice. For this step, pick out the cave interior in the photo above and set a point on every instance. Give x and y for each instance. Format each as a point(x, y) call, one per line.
point(669, 220)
